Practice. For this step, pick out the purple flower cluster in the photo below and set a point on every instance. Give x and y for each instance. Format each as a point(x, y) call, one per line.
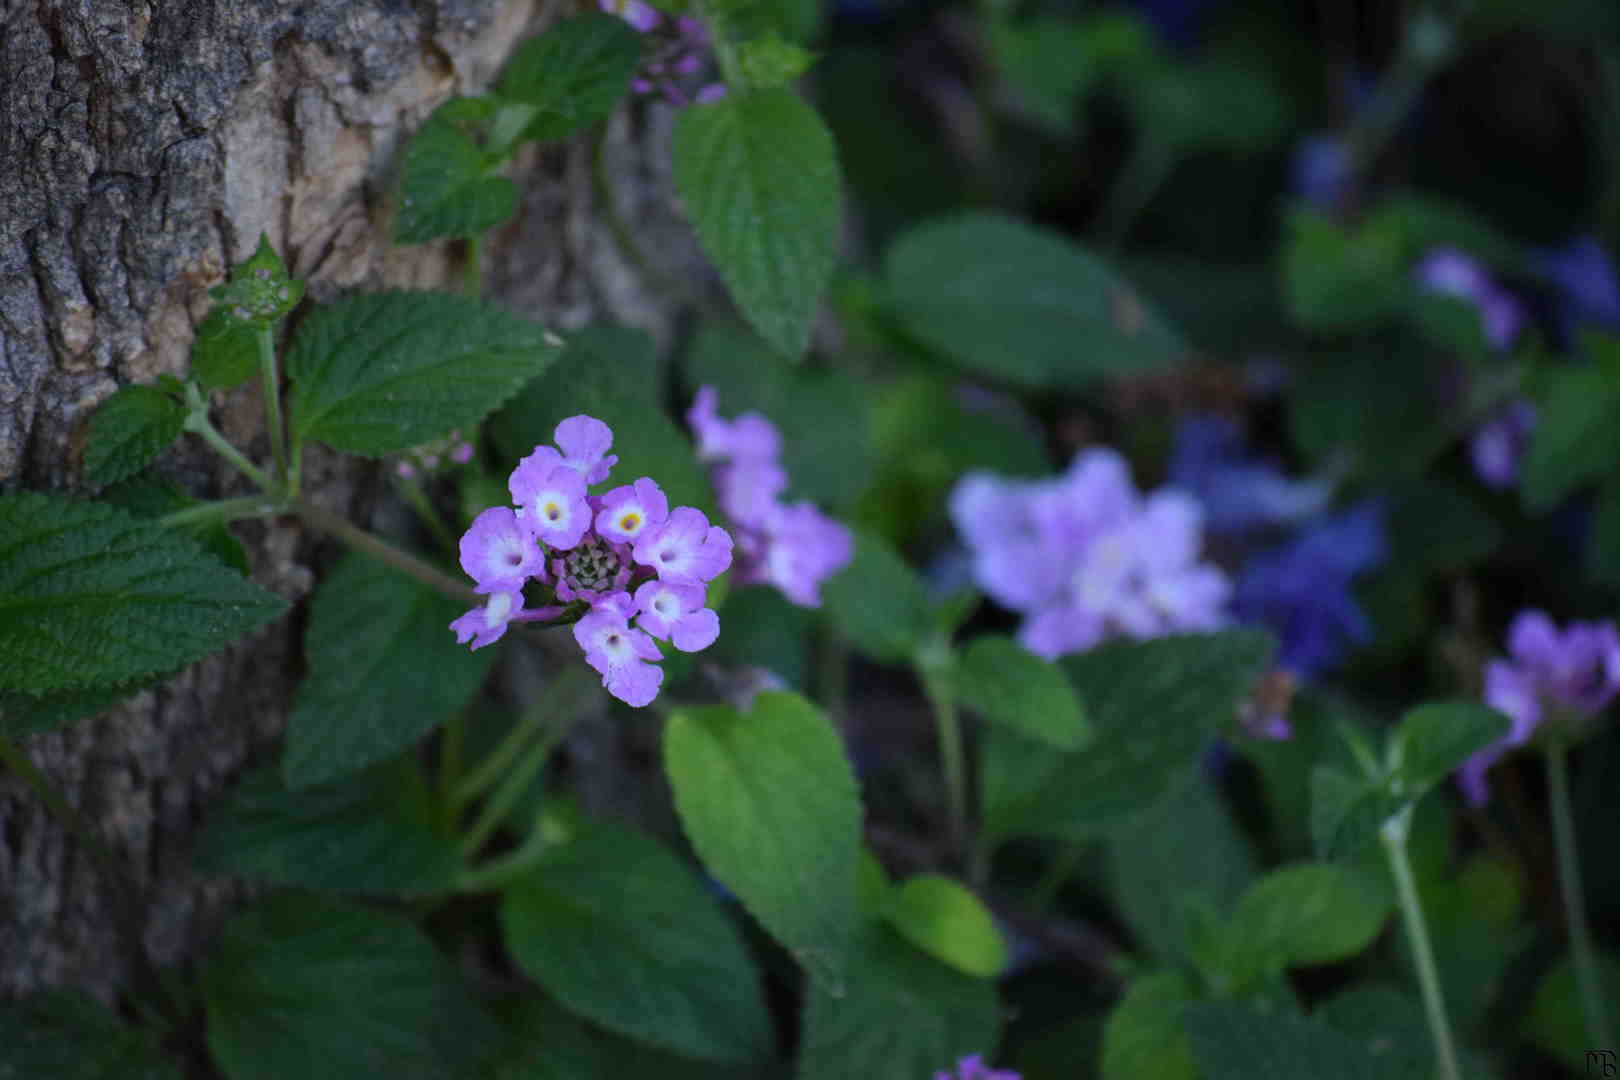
point(794, 547)
point(616, 557)
point(682, 54)
point(1572, 674)
point(973, 1067)
point(1084, 556)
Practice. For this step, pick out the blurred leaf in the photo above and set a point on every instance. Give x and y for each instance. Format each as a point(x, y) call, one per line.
point(1337, 277)
point(1451, 323)
point(1209, 104)
point(1555, 1021)
point(879, 602)
point(1389, 1023)
point(1439, 526)
point(872, 889)
point(1305, 915)
point(945, 920)
point(1008, 684)
point(225, 353)
point(299, 985)
point(623, 933)
point(1577, 434)
point(1043, 62)
point(760, 627)
point(1238, 1042)
point(902, 1014)
point(1368, 406)
point(1022, 305)
point(543, 1042)
point(574, 73)
point(447, 188)
point(127, 431)
point(1347, 811)
point(1144, 1039)
point(769, 802)
point(771, 61)
point(59, 1034)
point(1432, 741)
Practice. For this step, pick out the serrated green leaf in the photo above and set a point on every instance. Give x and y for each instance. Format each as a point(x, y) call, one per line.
point(225, 352)
point(378, 373)
point(1022, 305)
point(151, 495)
point(1432, 741)
point(948, 922)
point(758, 172)
point(1239, 1042)
point(26, 714)
point(260, 291)
point(902, 1014)
point(1347, 811)
point(1154, 706)
point(1010, 685)
point(301, 985)
point(622, 933)
point(127, 431)
point(446, 189)
point(384, 670)
point(610, 373)
point(1304, 915)
point(89, 597)
point(64, 1036)
point(1144, 1039)
point(1577, 434)
point(575, 73)
point(375, 832)
point(879, 602)
point(769, 802)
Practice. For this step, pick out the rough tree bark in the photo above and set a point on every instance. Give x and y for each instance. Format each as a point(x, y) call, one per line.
point(143, 148)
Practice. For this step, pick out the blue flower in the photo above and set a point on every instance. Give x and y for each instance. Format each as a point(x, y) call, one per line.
point(1240, 494)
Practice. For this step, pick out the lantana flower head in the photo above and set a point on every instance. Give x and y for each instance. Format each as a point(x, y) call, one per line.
point(622, 567)
point(794, 547)
point(1570, 675)
point(1084, 556)
point(678, 61)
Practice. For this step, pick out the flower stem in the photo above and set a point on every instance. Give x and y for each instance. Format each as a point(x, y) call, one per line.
point(223, 510)
point(425, 512)
point(951, 756)
point(197, 423)
point(1569, 880)
point(500, 804)
point(485, 774)
point(403, 561)
point(272, 402)
point(501, 872)
point(1393, 836)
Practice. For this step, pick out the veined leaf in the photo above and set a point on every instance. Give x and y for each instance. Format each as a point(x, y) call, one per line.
point(447, 188)
point(128, 430)
point(574, 73)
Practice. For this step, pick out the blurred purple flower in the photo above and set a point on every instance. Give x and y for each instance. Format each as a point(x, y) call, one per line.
point(1239, 493)
point(1301, 589)
point(1321, 170)
point(1451, 273)
point(1586, 281)
point(1576, 672)
point(1501, 442)
point(973, 1067)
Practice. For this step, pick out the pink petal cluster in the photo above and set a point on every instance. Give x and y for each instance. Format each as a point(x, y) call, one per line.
point(682, 53)
point(622, 564)
point(1085, 557)
point(793, 546)
point(1575, 672)
point(973, 1067)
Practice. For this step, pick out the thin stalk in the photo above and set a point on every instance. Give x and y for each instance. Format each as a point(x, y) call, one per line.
point(425, 512)
point(472, 273)
point(295, 467)
point(403, 561)
point(500, 804)
point(1144, 173)
point(951, 756)
point(223, 510)
point(725, 50)
point(1593, 1007)
point(1393, 836)
point(488, 771)
point(501, 872)
point(198, 424)
point(272, 402)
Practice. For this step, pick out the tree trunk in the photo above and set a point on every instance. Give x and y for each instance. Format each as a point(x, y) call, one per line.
point(143, 149)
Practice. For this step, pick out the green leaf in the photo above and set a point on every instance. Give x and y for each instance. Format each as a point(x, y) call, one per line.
point(622, 933)
point(127, 431)
point(225, 353)
point(543, 1042)
point(1337, 277)
point(612, 374)
point(574, 73)
point(879, 602)
point(902, 1014)
point(447, 189)
point(770, 61)
point(1389, 1023)
point(1238, 1042)
point(374, 832)
point(872, 888)
point(1144, 1039)
point(64, 1036)
point(1432, 741)
point(1304, 915)
point(760, 627)
point(91, 597)
point(770, 804)
point(26, 714)
point(260, 291)
point(1044, 63)
point(948, 922)
point(758, 173)
point(1577, 434)
point(1022, 305)
point(152, 495)
point(384, 670)
point(1154, 706)
point(1555, 1021)
point(1347, 811)
point(1212, 103)
point(302, 985)
point(1010, 685)
point(378, 373)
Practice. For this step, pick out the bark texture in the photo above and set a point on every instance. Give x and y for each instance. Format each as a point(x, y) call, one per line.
point(144, 147)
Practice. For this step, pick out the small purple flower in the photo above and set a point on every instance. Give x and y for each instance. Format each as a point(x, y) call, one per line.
point(1451, 273)
point(629, 511)
point(1587, 283)
point(1501, 443)
point(1321, 170)
point(498, 553)
point(641, 17)
point(747, 437)
point(685, 548)
point(621, 655)
point(973, 1067)
point(485, 625)
point(749, 489)
point(1575, 673)
point(584, 442)
point(796, 552)
point(551, 499)
point(668, 610)
point(1239, 493)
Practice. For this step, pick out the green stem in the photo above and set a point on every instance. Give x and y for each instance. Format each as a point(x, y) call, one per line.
point(951, 757)
point(1145, 171)
point(295, 467)
point(500, 804)
point(223, 510)
point(1393, 836)
point(198, 424)
point(725, 50)
point(472, 274)
point(425, 512)
point(494, 766)
point(1425, 46)
point(501, 872)
point(272, 402)
point(1593, 1008)
point(455, 731)
point(403, 561)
